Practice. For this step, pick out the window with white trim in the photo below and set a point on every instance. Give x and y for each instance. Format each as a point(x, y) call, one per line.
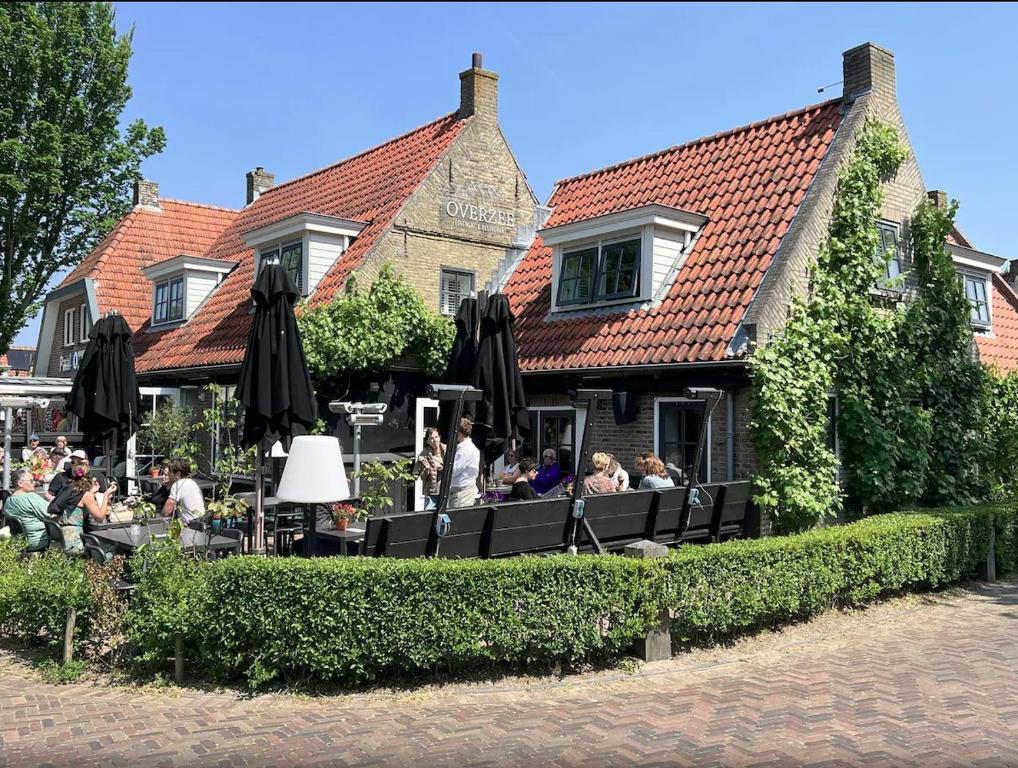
point(605, 271)
point(69, 327)
point(678, 433)
point(455, 286)
point(889, 255)
point(978, 295)
point(84, 324)
point(291, 257)
point(169, 301)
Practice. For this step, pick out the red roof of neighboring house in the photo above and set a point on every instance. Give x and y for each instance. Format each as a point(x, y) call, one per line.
point(371, 187)
point(145, 237)
point(748, 182)
point(17, 361)
point(999, 349)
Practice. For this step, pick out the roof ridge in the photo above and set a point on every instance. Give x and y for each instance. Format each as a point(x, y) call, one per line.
point(345, 160)
point(701, 140)
point(213, 206)
point(1009, 292)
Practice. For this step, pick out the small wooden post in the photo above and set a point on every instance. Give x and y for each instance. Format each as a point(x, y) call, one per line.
point(72, 617)
point(178, 659)
point(656, 645)
point(988, 571)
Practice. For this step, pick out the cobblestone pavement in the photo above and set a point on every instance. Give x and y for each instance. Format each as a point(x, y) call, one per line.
point(918, 681)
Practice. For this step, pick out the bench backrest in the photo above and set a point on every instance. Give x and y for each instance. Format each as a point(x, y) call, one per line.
point(619, 518)
point(698, 517)
point(469, 533)
point(400, 535)
point(732, 509)
point(671, 503)
point(542, 525)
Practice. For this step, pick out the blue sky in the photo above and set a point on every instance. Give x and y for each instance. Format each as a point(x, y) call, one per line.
point(295, 87)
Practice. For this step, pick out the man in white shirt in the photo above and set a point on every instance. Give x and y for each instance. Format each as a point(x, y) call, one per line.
point(185, 500)
point(465, 468)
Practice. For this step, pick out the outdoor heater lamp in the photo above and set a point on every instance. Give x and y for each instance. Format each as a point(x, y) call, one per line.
point(314, 472)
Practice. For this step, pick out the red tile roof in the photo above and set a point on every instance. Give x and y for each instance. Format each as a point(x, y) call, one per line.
point(999, 349)
point(748, 182)
point(371, 187)
point(145, 237)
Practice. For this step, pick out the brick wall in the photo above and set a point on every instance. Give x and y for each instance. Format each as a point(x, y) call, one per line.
point(627, 440)
point(73, 302)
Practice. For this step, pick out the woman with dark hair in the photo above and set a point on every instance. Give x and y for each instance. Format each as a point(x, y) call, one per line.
point(522, 491)
point(429, 466)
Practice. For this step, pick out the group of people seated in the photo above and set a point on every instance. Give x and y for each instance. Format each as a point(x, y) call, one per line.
point(527, 479)
point(78, 496)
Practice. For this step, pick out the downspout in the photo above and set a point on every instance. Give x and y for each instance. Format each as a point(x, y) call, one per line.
point(730, 434)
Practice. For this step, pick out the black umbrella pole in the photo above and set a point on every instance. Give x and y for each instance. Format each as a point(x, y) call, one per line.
point(259, 521)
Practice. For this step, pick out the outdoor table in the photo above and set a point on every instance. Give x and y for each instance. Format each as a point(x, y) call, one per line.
point(352, 533)
point(127, 542)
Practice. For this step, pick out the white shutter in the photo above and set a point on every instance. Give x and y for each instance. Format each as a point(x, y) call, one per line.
point(455, 287)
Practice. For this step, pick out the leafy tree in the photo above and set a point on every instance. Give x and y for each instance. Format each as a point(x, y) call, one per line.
point(65, 164)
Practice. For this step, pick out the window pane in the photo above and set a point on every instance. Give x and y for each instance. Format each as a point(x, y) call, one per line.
point(619, 270)
point(577, 277)
point(975, 292)
point(679, 434)
point(454, 287)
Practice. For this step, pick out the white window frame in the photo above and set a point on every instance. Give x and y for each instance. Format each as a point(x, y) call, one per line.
point(644, 276)
point(183, 297)
point(69, 326)
point(441, 286)
point(85, 325)
point(983, 326)
point(658, 401)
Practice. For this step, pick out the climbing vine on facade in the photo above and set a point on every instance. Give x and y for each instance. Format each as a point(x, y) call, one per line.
point(369, 331)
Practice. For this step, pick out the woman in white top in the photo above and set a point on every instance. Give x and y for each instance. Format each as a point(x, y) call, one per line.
point(511, 473)
point(185, 500)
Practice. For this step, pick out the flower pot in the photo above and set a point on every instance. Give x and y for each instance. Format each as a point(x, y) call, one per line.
point(155, 473)
point(216, 524)
point(342, 523)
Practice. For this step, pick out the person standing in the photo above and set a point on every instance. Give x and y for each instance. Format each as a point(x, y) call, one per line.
point(465, 468)
point(429, 466)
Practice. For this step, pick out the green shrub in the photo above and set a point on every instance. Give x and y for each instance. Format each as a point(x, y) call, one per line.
point(53, 583)
point(12, 581)
point(355, 619)
point(723, 589)
point(1006, 523)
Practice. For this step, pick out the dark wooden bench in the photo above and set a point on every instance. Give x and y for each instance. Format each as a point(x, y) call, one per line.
point(522, 527)
point(698, 513)
point(618, 519)
point(668, 515)
point(731, 511)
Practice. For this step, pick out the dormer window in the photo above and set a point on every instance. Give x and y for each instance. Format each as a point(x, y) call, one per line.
point(181, 284)
point(291, 257)
point(169, 301)
point(619, 258)
point(306, 244)
point(604, 272)
point(976, 293)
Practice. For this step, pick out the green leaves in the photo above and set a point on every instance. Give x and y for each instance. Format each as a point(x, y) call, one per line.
point(369, 332)
point(65, 165)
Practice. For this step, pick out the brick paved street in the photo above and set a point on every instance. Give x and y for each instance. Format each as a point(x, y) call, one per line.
point(919, 681)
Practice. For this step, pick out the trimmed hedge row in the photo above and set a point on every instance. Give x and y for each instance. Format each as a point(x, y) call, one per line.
point(356, 620)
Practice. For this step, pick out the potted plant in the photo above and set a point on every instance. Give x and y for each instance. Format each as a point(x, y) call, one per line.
point(342, 513)
point(227, 508)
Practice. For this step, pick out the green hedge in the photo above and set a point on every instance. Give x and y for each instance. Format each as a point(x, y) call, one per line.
point(357, 620)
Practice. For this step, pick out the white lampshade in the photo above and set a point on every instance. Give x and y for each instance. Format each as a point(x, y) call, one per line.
point(314, 472)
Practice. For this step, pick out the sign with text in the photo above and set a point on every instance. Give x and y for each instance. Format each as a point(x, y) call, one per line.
point(475, 206)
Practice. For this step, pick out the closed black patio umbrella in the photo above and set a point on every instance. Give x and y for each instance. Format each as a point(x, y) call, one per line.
point(501, 415)
point(105, 395)
point(275, 386)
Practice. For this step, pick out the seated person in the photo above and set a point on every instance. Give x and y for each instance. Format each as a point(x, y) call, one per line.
point(522, 490)
point(618, 474)
point(549, 475)
point(600, 481)
point(58, 460)
point(29, 509)
point(185, 499)
point(77, 459)
point(78, 500)
point(511, 473)
point(33, 443)
point(654, 473)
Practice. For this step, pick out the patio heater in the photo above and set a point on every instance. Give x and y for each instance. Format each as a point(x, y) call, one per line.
point(588, 400)
point(710, 397)
point(359, 415)
point(8, 405)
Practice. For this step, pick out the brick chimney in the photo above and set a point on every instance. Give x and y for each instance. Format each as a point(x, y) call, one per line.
point(939, 198)
point(258, 181)
point(146, 194)
point(866, 68)
point(479, 92)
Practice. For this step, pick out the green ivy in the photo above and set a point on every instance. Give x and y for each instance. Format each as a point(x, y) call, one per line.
point(368, 332)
